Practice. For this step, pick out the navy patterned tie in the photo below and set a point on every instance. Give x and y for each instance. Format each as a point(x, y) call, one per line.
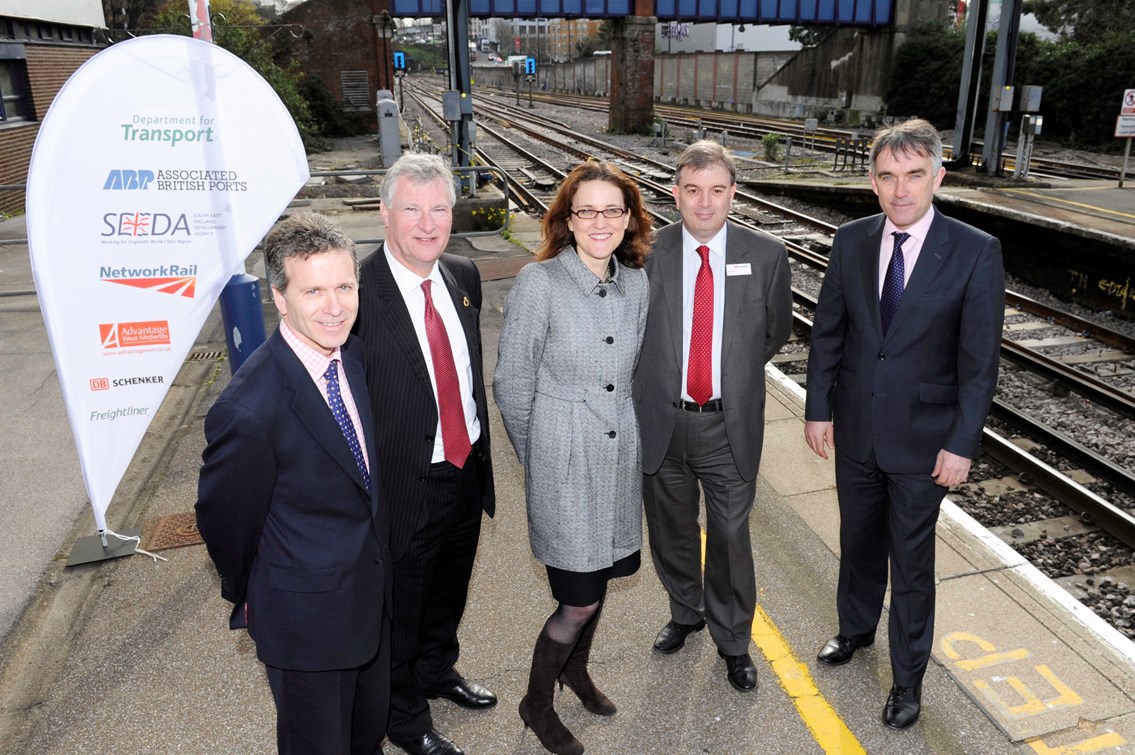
point(893, 284)
point(339, 410)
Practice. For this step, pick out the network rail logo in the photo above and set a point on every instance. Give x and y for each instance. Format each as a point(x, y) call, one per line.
point(179, 280)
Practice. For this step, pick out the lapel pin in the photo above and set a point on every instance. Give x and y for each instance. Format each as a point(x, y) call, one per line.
point(465, 301)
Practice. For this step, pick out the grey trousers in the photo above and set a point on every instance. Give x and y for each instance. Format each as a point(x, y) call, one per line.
point(699, 453)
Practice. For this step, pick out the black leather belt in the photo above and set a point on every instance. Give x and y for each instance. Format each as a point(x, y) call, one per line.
point(713, 405)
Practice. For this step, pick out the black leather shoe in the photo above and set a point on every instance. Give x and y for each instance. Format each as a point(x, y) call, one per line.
point(839, 649)
point(431, 743)
point(903, 706)
point(740, 671)
point(466, 693)
point(673, 636)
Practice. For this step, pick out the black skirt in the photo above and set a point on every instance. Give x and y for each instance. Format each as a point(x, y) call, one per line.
point(585, 588)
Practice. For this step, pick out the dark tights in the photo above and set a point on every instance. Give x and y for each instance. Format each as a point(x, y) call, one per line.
point(567, 623)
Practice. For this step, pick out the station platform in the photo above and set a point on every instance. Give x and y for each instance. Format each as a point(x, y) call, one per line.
point(135, 656)
point(1090, 208)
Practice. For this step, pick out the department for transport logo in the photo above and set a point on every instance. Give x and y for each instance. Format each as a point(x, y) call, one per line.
point(105, 384)
point(179, 280)
point(140, 179)
point(133, 335)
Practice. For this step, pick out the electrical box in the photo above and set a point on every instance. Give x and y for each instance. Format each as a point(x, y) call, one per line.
point(389, 131)
point(451, 105)
point(1030, 98)
point(1003, 102)
point(1031, 124)
point(811, 124)
point(466, 105)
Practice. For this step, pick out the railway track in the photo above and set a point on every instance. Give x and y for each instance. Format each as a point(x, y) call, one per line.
point(823, 139)
point(1074, 489)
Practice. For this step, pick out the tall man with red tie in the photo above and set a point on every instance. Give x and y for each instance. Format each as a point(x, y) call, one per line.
point(904, 358)
point(720, 308)
point(419, 317)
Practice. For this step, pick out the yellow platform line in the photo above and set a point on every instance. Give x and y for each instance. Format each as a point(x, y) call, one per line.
point(1058, 200)
point(828, 729)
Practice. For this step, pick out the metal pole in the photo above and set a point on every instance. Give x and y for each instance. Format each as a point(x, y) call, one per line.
point(241, 310)
point(1126, 154)
point(1003, 63)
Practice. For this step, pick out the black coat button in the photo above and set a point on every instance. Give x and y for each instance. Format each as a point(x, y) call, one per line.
point(611, 434)
point(602, 292)
point(609, 339)
point(610, 388)
point(882, 357)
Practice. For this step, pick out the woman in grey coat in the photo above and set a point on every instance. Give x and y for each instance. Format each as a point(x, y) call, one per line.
point(573, 326)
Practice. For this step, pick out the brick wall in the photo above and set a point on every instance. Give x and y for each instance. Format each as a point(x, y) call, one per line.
point(48, 68)
point(341, 35)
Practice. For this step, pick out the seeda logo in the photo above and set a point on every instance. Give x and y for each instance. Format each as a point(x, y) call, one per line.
point(180, 280)
point(100, 384)
point(145, 224)
point(128, 180)
point(128, 335)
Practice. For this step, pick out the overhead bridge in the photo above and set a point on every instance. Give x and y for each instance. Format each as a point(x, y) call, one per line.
point(795, 12)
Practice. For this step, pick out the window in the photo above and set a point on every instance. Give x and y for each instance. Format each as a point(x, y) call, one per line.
point(15, 104)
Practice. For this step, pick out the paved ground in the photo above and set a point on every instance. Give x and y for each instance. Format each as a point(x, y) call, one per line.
point(135, 656)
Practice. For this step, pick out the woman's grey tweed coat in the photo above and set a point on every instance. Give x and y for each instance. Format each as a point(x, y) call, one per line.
point(567, 357)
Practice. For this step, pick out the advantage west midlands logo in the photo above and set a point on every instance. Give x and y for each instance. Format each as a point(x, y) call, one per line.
point(133, 335)
point(179, 280)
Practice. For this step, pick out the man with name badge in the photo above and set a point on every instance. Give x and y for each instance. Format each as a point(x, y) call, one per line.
point(720, 308)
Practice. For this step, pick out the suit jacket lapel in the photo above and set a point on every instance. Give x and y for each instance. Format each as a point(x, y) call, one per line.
point(669, 278)
point(397, 318)
point(312, 410)
point(465, 312)
point(869, 271)
point(735, 253)
point(356, 378)
point(935, 250)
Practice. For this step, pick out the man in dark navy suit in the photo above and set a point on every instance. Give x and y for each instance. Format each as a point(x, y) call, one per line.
point(419, 317)
point(904, 358)
point(292, 515)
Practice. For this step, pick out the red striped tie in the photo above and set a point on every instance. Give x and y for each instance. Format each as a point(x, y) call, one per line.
point(699, 371)
point(454, 433)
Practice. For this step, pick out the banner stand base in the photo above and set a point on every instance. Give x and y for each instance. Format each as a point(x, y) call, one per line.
point(87, 550)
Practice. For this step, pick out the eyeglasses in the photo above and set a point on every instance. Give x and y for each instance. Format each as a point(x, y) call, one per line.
point(610, 213)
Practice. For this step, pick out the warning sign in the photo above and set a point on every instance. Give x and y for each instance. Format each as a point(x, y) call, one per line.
point(1128, 103)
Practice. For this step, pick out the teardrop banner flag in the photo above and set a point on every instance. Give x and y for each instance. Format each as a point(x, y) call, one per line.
point(161, 164)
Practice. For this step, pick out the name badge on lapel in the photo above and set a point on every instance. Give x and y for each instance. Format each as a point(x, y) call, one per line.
point(739, 268)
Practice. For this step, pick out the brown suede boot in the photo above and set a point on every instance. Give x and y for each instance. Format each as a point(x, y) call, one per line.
point(536, 709)
point(575, 675)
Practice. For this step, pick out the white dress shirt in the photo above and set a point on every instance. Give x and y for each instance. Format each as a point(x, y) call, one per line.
point(691, 263)
point(910, 248)
point(410, 286)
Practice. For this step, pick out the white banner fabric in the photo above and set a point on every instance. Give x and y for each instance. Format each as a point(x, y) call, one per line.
point(160, 165)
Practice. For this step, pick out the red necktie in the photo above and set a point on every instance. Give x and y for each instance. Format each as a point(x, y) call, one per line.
point(454, 433)
point(699, 372)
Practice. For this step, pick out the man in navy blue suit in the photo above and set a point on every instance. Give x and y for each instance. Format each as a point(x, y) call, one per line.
point(290, 509)
point(904, 358)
